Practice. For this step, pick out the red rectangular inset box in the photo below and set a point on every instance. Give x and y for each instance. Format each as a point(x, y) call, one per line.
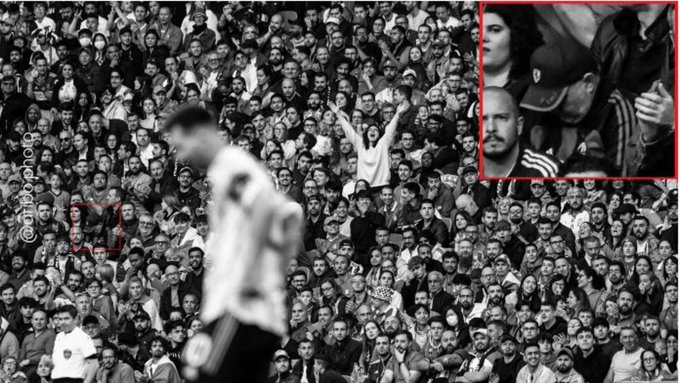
point(105, 206)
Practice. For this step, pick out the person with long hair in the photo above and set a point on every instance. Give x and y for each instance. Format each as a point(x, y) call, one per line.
point(526, 294)
point(373, 147)
point(510, 37)
point(651, 368)
point(593, 285)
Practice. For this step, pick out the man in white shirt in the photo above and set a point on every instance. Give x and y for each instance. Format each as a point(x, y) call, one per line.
point(244, 307)
point(74, 355)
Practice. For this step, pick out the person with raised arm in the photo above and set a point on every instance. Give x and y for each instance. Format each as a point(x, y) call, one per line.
point(372, 147)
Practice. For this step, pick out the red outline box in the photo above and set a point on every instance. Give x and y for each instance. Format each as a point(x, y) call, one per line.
point(675, 4)
point(102, 204)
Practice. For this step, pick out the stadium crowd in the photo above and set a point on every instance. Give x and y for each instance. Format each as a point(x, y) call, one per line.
point(411, 268)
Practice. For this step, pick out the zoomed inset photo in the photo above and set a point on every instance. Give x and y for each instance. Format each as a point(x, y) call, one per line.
point(579, 90)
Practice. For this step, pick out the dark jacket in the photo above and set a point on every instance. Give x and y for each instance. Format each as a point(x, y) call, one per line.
point(612, 42)
point(344, 355)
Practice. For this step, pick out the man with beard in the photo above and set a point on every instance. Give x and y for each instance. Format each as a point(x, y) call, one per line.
point(652, 325)
point(599, 218)
point(440, 194)
point(392, 325)
point(505, 369)
point(564, 366)
point(283, 372)
point(468, 308)
point(489, 219)
point(616, 278)
point(194, 280)
point(381, 359)
point(113, 370)
point(186, 193)
point(646, 242)
point(406, 365)
point(576, 213)
point(159, 368)
point(315, 221)
point(438, 67)
point(445, 365)
point(504, 156)
point(477, 367)
point(625, 302)
point(526, 232)
point(385, 92)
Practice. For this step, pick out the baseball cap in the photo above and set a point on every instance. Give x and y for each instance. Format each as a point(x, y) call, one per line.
point(537, 182)
point(554, 67)
point(186, 169)
point(389, 64)
point(159, 88)
point(502, 258)
point(90, 319)
point(469, 169)
point(199, 12)
point(330, 219)
point(409, 72)
point(333, 20)
point(281, 354)
point(566, 351)
point(14, 178)
point(508, 337)
point(479, 331)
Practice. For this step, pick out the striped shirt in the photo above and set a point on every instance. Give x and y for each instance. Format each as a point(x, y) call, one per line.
point(532, 163)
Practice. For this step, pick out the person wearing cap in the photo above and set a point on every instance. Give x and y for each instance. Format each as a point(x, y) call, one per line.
point(564, 367)
point(505, 368)
point(477, 367)
point(384, 91)
point(330, 245)
point(200, 31)
point(504, 153)
point(594, 119)
point(283, 372)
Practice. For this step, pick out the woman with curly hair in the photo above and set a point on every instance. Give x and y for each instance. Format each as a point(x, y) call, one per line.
point(510, 37)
